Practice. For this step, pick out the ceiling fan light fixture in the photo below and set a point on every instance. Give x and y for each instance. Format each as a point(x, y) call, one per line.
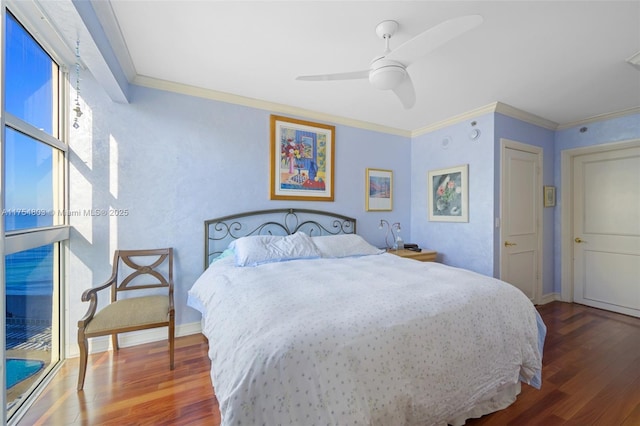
point(387, 76)
point(389, 71)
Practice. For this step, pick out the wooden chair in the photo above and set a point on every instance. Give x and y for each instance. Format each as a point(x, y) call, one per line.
point(130, 313)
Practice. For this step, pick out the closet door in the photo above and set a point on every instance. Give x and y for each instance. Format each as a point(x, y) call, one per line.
point(606, 230)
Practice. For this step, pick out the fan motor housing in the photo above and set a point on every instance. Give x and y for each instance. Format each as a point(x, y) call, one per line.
point(386, 74)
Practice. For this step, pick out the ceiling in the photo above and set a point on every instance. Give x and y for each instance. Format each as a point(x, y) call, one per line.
point(563, 61)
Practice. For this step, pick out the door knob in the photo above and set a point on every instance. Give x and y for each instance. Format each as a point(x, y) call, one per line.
point(508, 244)
point(579, 240)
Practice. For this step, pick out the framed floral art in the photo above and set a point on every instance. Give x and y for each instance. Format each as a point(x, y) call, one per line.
point(448, 196)
point(302, 158)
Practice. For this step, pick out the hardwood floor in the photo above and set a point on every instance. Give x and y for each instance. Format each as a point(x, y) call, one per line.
point(132, 387)
point(591, 376)
point(590, 373)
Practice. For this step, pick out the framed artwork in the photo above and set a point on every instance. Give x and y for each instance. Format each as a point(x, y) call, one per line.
point(302, 158)
point(449, 194)
point(549, 196)
point(379, 190)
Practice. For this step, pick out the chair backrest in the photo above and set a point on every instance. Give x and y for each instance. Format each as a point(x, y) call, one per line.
point(142, 269)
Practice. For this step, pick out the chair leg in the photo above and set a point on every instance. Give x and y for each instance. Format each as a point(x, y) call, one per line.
point(172, 333)
point(114, 342)
point(82, 343)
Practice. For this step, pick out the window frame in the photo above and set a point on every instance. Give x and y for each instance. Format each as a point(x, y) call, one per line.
point(25, 239)
point(58, 234)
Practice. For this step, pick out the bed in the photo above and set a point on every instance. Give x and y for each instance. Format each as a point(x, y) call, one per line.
point(308, 324)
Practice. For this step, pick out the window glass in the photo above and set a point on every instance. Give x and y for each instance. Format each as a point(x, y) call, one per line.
point(29, 87)
point(34, 184)
point(28, 182)
point(30, 277)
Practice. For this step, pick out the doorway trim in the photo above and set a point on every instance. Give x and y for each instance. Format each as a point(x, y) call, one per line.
point(538, 151)
point(566, 208)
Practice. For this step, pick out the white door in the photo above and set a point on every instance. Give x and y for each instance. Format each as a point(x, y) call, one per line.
point(606, 230)
point(520, 228)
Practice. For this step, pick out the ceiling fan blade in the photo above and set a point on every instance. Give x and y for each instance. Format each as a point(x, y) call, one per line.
point(354, 75)
point(406, 93)
point(433, 38)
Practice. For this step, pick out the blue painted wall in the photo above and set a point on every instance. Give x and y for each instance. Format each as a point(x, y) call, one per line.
point(468, 245)
point(607, 131)
point(173, 161)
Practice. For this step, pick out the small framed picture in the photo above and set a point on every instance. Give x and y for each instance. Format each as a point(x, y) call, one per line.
point(379, 190)
point(549, 196)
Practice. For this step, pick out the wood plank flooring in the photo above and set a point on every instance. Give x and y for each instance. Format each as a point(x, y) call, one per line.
point(591, 376)
point(132, 387)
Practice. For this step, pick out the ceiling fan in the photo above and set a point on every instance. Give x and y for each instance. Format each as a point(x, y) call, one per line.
point(389, 71)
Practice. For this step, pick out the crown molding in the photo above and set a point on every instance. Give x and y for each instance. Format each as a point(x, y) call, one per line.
point(456, 119)
point(518, 114)
point(185, 89)
point(600, 117)
point(494, 107)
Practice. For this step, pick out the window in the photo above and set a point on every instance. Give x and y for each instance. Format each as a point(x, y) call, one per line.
point(30, 91)
point(28, 182)
point(33, 174)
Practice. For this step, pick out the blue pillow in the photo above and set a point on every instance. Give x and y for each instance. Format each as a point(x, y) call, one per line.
point(226, 253)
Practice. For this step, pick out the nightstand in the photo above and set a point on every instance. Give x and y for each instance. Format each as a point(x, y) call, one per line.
point(423, 256)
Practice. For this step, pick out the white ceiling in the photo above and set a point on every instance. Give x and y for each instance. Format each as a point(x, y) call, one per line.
point(563, 61)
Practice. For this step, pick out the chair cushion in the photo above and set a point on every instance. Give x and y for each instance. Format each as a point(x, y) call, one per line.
point(127, 313)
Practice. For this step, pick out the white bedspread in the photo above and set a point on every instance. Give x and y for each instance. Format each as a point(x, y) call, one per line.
point(374, 340)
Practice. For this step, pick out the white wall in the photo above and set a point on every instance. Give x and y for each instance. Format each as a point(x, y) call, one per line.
point(173, 161)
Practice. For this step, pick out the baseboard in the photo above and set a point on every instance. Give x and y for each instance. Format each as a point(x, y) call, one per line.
point(550, 297)
point(101, 344)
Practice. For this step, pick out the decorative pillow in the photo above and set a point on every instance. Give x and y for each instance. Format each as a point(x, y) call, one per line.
point(259, 249)
point(344, 245)
point(226, 253)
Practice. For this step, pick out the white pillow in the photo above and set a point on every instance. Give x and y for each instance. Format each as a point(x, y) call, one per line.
point(344, 245)
point(259, 249)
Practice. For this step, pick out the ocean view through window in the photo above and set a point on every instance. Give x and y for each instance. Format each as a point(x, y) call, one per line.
point(29, 280)
point(33, 165)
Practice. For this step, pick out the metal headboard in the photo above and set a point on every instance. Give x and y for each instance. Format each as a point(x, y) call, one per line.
point(219, 232)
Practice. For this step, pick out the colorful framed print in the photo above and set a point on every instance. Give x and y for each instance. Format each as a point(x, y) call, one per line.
point(379, 190)
point(302, 158)
point(449, 194)
point(549, 196)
